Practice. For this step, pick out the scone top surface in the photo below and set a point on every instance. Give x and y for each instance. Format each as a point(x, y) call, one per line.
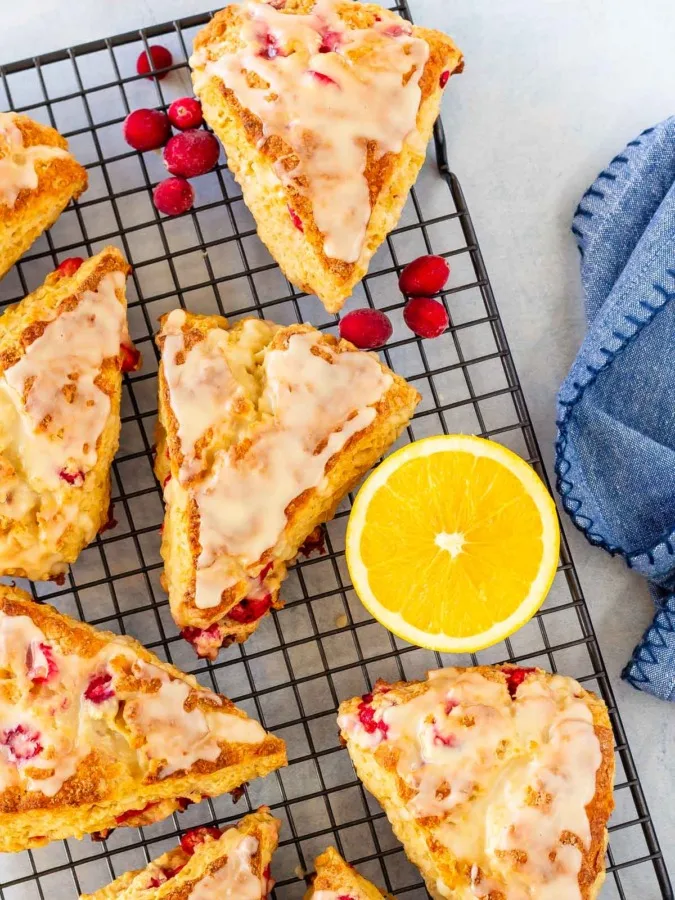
point(497, 781)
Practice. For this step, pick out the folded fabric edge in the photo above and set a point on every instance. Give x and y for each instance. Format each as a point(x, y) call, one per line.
point(651, 668)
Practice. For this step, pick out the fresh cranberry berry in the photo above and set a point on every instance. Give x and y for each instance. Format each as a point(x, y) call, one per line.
point(22, 743)
point(99, 688)
point(146, 129)
point(111, 521)
point(206, 641)
point(321, 78)
point(515, 677)
point(264, 572)
point(69, 266)
point(366, 328)
point(40, 663)
point(269, 882)
point(158, 880)
point(426, 317)
point(191, 153)
point(156, 57)
point(314, 541)
point(250, 609)
point(171, 873)
point(74, 478)
point(330, 41)
point(295, 218)
point(132, 813)
point(445, 78)
point(183, 803)
point(173, 196)
point(367, 717)
point(424, 276)
point(238, 792)
point(191, 839)
point(450, 705)
point(395, 30)
point(185, 113)
point(130, 358)
point(270, 47)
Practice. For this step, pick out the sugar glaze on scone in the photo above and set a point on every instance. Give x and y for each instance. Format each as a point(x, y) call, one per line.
point(97, 732)
point(206, 866)
point(61, 355)
point(263, 430)
point(335, 879)
point(38, 178)
point(325, 109)
point(498, 781)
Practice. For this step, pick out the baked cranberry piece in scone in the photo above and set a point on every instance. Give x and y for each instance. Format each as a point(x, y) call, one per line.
point(496, 780)
point(38, 178)
point(209, 864)
point(263, 429)
point(325, 109)
point(62, 352)
point(96, 732)
point(335, 879)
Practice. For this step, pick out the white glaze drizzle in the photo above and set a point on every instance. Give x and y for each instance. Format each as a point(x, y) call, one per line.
point(150, 728)
point(235, 880)
point(327, 106)
point(18, 162)
point(474, 758)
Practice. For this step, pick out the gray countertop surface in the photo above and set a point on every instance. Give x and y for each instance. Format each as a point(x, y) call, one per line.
point(551, 91)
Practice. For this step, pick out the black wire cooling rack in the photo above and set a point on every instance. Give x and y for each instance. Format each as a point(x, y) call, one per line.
point(322, 647)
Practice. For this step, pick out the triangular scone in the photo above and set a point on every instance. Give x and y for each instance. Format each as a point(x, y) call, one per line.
point(235, 866)
point(62, 351)
point(325, 110)
point(97, 732)
point(496, 780)
point(38, 178)
point(263, 429)
point(335, 879)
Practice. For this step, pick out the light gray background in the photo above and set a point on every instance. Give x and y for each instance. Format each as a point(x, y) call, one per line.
point(552, 90)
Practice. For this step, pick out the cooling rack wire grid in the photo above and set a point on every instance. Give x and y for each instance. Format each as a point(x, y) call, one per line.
point(322, 647)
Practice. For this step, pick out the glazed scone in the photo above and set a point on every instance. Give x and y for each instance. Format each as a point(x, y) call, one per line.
point(207, 865)
point(262, 431)
point(337, 880)
point(496, 780)
point(38, 179)
point(96, 732)
point(62, 352)
point(325, 109)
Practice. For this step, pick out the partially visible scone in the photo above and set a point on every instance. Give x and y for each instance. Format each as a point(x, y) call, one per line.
point(62, 352)
point(335, 879)
point(233, 864)
point(262, 431)
point(496, 780)
point(325, 109)
point(38, 178)
point(96, 732)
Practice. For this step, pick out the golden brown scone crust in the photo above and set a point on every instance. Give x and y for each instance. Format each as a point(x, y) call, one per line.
point(60, 180)
point(377, 770)
point(207, 858)
point(111, 781)
point(251, 158)
point(335, 875)
point(21, 324)
point(180, 537)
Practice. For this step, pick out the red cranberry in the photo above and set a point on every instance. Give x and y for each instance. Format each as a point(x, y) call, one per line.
point(40, 663)
point(269, 881)
point(191, 839)
point(74, 478)
point(22, 743)
point(158, 880)
point(515, 677)
point(166, 480)
point(131, 358)
point(186, 113)
point(132, 813)
point(424, 276)
point(159, 58)
point(171, 873)
point(146, 129)
point(366, 328)
point(99, 688)
point(314, 541)
point(191, 153)
point(206, 641)
point(250, 610)
point(270, 48)
point(445, 78)
point(295, 218)
point(69, 266)
point(366, 715)
point(395, 31)
point(330, 41)
point(450, 705)
point(321, 78)
point(111, 521)
point(238, 792)
point(426, 317)
point(173, 196)
point(446, 740)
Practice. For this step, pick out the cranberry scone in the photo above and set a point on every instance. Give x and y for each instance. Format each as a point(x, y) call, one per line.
point(97, 732)
point(496, 780)
point(62, 352)
point(335, 879)
point(209, 864)
point(262, 431)
point(325, 109)
point(38, 179)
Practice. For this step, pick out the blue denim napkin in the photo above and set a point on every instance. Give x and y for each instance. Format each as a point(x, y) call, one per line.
point(615, 452)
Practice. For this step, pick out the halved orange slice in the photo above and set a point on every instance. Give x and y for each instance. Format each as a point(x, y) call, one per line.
point(453, 543)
